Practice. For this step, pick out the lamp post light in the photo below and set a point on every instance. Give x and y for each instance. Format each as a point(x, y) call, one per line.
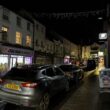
point(103, 37)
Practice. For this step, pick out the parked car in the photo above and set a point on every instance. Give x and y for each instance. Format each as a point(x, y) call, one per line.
point(73, 72)
point(91, 65)
point(32, 85)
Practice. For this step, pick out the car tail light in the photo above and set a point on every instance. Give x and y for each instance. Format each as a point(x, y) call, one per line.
point(29, 84)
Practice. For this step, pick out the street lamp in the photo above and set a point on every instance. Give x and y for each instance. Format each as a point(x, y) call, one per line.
point(103, 37)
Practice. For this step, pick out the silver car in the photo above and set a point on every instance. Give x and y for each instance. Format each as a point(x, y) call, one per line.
point(32, 85)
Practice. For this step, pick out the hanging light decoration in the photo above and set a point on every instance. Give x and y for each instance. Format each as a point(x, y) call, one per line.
point(71, 14)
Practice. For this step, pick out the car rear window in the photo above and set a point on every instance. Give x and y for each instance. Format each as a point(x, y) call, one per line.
point(66, 67)
point(21, 74)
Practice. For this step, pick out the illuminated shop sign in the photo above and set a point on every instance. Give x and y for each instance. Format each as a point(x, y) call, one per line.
point(16, 51)
point(102, 36)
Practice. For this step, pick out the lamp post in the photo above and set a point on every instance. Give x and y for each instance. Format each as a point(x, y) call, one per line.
point(103, 37)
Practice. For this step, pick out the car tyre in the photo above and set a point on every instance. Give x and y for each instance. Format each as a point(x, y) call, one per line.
point(44, 103)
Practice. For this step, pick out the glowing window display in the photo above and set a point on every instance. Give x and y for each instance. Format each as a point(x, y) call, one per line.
point(67, 59)
point(20, 59)
point(28, 60)
point(3, 63)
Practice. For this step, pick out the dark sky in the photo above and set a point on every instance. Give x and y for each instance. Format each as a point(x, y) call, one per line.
point(77, 29)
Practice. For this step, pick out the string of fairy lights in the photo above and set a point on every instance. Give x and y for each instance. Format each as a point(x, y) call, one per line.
point(70, 14)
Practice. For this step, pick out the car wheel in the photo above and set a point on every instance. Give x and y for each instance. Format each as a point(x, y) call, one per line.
point(67, 87)
point(44, 103)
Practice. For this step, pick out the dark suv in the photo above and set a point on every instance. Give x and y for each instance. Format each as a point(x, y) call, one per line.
point(91, 65)
point(73, 72)
point(32, 85)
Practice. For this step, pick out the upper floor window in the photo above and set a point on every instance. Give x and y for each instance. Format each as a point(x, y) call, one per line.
point(28, 26)
point(42, 44)
point(36, 43)
point(42, 29)
point(37, 26)
point(18, 38)
point(4, 33)
point(28, 40)
point(4, 28)
point(5, 14)
point(18, 21)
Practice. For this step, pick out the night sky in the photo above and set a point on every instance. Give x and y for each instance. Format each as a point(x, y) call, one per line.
point(79, 29)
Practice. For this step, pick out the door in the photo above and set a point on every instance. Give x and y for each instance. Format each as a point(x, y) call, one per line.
point(60, 78)
point(53, 79)
point(13, 62)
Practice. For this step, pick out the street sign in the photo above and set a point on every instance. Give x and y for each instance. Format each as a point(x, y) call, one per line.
point(104, 80)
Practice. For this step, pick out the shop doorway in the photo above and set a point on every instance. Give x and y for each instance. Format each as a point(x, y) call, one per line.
point(13, 62)
point(16, 60)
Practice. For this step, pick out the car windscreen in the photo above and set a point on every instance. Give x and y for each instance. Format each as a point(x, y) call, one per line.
point(21, 74)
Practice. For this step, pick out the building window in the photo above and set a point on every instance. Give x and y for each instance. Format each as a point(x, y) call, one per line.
point(42, 29)
point(28, 40)
point(47, 47)
point(36, 42)
point(42, 44)
point(18, 21)
point(37, 27)
point(3, 63)
point(18, 38)
point(6, 14)
point(4, 33)
point(28, 26)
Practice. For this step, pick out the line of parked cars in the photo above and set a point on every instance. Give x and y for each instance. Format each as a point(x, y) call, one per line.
point(74, 73)
point(34, 85)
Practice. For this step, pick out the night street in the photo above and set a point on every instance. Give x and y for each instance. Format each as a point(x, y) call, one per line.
point(84, 97)
point(51, 55)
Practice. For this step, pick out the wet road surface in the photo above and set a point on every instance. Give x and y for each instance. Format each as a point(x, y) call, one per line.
point(83, 97)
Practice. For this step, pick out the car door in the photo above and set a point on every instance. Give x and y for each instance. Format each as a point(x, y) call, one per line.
point(78, 72)
point(60, 78)
point(52, 80)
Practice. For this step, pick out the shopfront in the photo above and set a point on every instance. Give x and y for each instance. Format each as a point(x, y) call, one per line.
point(10, 57)
point(67, 59)
point(43, 59)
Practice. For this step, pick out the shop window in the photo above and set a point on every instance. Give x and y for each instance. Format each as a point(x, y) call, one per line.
point(28, 40)
point(28, 60)
point(4, 34)
point(3, 63)
point(18, 38)
point(16, 60)
point(5, 14)
point(20, 60)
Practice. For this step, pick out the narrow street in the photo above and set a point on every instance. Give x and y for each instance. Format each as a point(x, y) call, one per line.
point(84, 97)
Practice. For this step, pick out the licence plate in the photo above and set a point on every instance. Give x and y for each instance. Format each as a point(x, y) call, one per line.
point(12, 86)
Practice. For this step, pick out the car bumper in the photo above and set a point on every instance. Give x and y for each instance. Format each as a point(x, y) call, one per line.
point(27, 101)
